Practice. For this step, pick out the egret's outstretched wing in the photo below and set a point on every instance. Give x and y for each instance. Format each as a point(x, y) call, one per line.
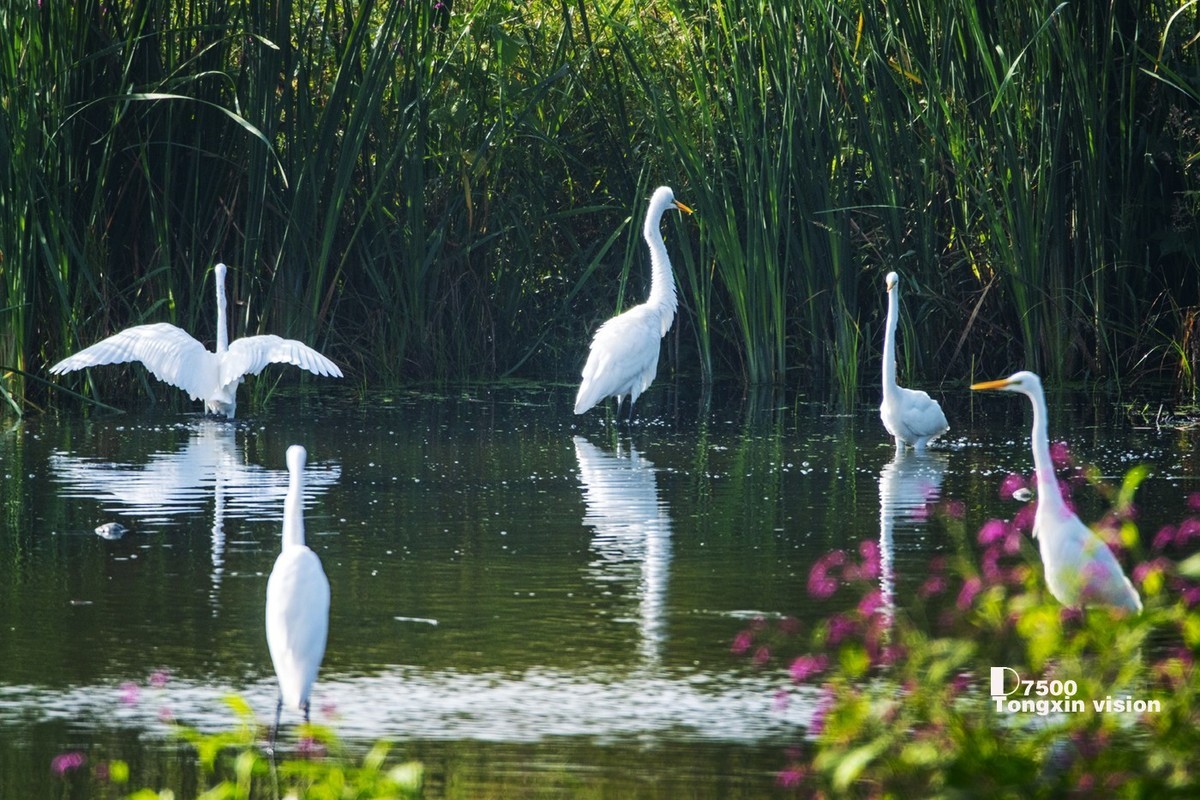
point(170, 353)
point(250, 354)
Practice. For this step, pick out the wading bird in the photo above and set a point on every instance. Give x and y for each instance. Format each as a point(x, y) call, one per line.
point(624, 352)
point(297, 602)
point(173, 356)
point(910, 415)
point(1080, 568)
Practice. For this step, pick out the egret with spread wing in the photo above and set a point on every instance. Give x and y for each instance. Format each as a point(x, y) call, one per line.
point(624, 352)
point(1080, 568)
point(910, 415)
point(173, 356)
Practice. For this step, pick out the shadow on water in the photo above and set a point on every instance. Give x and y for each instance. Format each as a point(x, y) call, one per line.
point(521, 597)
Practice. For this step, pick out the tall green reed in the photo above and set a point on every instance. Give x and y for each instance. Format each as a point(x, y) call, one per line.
point(444, 191)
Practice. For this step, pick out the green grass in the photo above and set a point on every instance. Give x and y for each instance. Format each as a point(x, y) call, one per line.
point(449, 192)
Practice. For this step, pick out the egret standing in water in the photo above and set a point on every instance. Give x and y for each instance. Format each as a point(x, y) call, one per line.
point(624, 352)
point(173, 356)
point(910, 415)
point(297, 602)
point(1080, 568)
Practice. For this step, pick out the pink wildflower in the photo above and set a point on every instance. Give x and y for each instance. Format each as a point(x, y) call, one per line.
point(871, 602)
point(762, 655)
point(992, 531)
point(63, 763)
point(840, 627)
point(820, 583)
point(1060, 454)
point(130, 692)
point(934, 584)
point(970, 590)
point(1164, 538)
point(1011, 483)
point(869, 550)
point(804, 667)
point(790, 778)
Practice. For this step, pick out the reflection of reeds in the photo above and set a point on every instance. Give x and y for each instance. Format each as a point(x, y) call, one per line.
point(441, 191)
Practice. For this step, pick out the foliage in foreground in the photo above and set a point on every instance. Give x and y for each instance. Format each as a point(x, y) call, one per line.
point(905, 706)
point(234, 766)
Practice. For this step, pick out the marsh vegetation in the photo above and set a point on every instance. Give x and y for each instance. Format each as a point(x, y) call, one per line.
point(450, 190)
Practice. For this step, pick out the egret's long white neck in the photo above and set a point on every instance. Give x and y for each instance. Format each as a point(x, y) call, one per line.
point(662, 281)
point(222, 323)
point(293, 509)
point(889, 341)
point(1043, 465)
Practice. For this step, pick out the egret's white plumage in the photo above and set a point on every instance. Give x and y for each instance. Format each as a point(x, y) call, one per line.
point(624, 352)
point(173, 356)
point(297, 601)
point(1080, 568)
point(910, 415)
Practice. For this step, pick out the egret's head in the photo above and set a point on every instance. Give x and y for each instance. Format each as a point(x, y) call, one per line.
point(219, 270)
point(663, 198)
point(1024, 382)
point(892, 280)
point(296, 456)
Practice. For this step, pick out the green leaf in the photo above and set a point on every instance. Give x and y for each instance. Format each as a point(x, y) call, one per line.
point(857, 760)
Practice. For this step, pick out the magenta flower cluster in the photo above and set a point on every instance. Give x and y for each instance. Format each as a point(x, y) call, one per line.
point(70, 761)
point(1007, 558)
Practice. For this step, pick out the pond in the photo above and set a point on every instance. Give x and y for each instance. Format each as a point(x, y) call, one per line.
point(528, 602)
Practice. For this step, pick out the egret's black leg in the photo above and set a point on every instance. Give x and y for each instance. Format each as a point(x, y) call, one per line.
point(306, 703)
point(275, 730)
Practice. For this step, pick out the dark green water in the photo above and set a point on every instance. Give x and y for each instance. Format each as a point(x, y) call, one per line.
point(531, 603)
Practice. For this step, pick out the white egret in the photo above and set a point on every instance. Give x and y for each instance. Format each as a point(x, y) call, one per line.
point(910, 415)
point(624, 351)
point(1080, 568)
point(297, 601)
point(173, 356)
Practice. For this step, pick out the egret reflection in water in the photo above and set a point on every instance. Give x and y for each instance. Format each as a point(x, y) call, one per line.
point(170, 486)
point(908, 485)
point(632, 544)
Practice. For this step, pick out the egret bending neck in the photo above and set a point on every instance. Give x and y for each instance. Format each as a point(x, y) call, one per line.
point(1043, 465)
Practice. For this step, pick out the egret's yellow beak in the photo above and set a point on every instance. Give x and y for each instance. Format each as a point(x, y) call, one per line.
point(682, 207)
point(1000, 384)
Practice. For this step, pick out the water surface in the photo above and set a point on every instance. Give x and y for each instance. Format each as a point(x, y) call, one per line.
point(521, 597)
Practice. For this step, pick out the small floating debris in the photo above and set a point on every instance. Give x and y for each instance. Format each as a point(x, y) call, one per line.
point(422, 620)
point(111, 531)
point(1022, 495)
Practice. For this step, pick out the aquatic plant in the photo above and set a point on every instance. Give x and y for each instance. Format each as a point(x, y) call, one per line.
point(984, 684)
point(440, 191)
point(232, 764)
